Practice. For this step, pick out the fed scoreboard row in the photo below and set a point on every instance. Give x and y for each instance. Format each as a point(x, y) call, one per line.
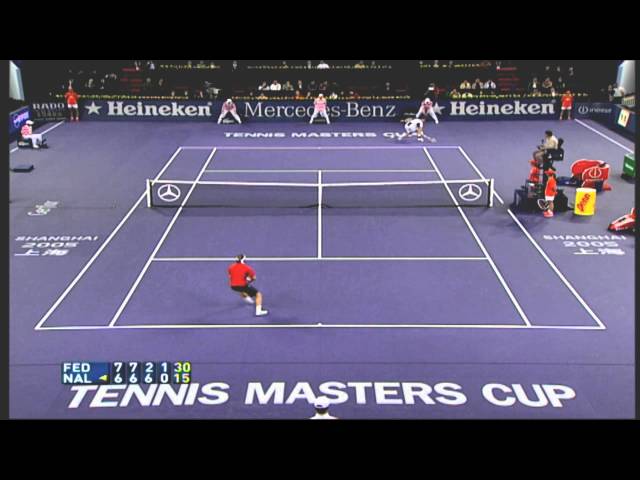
point(122, 373)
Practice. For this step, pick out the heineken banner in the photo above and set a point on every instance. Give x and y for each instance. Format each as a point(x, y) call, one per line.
point(339, 111)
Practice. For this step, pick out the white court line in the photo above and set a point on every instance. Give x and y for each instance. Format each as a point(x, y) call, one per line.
point(558, 272)
point(358, 147)
point(604, 136)
point(15, 149)
point(160, 242)
point(102, 247)
point(480, 244)
point(313, 259)
point(314, 170)
point(319, 252)
point(541, 251)
point(310, 325)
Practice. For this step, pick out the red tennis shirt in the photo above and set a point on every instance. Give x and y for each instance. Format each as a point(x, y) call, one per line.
point(238, 273)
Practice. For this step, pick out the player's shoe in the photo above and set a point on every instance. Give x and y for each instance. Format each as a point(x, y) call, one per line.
point(261, 313)
point(548, 213)
point(420, 139)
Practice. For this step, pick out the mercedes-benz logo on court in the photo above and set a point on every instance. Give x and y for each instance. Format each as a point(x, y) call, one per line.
point(469, 192)
point(169, 192)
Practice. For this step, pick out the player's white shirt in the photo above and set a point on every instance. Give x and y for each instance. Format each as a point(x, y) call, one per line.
point(413, 125)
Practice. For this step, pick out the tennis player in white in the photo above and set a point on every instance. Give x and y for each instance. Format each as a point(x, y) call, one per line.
point(228, 107)
point(415, 126)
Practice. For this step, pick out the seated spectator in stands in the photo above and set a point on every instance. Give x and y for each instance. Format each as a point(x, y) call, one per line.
point(275, 86)
point(287, 87)
point(263, 86)
point(547, 85)
point(261, 96)
point(313, 87)
point(534, 85)
point(454, 93)
point(466, 94)
point(560, 84)
point(160, 86)
point(322, 65)
point(333, 96)
point(465, 85)
point(432, 92)
point(360, 64)
point(298, 95)
point(477, 86)
point(387, 88)
point(300, 86)
point(322, 88)
point(489, 87)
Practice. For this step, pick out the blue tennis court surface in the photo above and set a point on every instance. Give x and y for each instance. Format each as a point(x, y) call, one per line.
point(393, 310)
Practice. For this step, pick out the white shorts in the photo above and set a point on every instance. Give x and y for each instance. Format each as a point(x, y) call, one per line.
point(549, 198)
point(75, 105)
point(565, 108)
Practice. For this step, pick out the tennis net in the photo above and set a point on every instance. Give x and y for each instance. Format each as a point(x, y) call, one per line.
point(402, 194)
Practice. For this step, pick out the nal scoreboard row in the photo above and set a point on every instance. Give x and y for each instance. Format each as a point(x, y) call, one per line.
point(124, 373)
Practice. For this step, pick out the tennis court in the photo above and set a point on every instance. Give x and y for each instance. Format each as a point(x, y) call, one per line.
point(380, 262)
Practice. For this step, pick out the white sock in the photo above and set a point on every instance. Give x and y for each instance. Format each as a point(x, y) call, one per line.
point(249, 300)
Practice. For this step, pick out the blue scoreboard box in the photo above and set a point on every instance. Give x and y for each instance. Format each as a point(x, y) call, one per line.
point(125, 373)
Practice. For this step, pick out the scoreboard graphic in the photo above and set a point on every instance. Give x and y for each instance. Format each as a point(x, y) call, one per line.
point(125, 373)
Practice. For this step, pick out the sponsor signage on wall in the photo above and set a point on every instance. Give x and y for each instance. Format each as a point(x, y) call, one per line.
point(297, 111)
point(49, 111)
point(17, 119)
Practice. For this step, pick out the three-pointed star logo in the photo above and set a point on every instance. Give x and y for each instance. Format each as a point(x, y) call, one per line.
point(169, 192)
point(93, 108)
point(470, 192)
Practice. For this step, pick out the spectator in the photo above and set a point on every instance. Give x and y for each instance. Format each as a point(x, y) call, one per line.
point(321, 406)
point(432, 92)
point(298, 95)
point(313, 87)
point(489, 86)
point(288, 87)
point(360, 64)
point(323, 86)
point(309, 64)
point(275, 86)
point(547, 85)
point(560, 84)
point(454, 93)
point(333, 96)
point(387, 88)
point(261, 96)
point(534, 85)
point(477, 86)
point(263, 86)
point(322, 65)
point(300, 86)
point(465, 85)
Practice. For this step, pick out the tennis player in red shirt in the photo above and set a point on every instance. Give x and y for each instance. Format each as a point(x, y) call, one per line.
point(240, 276)
point(72, 104)
point(566, 104)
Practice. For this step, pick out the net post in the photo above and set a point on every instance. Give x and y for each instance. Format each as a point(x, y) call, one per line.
point(148, 193)
point(490, 202)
